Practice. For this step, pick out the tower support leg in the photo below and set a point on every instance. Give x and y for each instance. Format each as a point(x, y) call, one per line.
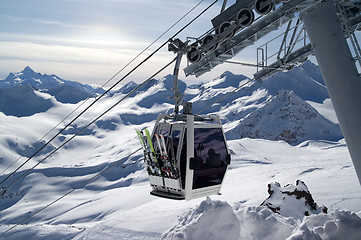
point(339, 71)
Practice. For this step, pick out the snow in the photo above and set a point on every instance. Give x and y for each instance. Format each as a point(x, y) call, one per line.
point(211, 220)
point(292, 200)
point(218, 220)
point(117, 204)
point(325, 109)
point(340, 224)
point(286, 117)
point(261, 223)
point(305, 81)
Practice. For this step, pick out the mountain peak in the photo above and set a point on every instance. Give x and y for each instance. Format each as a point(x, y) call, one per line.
point(286, 117)
point(226, 79)
point(305, 81)
point(309, 64)
point(28, 71)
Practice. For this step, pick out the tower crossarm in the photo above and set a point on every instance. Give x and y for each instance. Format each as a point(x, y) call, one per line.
point(247, 36)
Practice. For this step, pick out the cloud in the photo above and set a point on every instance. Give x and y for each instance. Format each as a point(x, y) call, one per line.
point(89, 40)
point(90, 65)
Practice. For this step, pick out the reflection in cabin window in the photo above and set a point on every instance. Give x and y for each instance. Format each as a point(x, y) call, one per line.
point(210, 157)
point(183, 160)
point(173, 145)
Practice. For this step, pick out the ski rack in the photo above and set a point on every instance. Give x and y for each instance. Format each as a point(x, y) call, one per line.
point(248, 36)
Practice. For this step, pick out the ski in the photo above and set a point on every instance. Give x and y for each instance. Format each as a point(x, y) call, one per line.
point(164, 157)
point(149, 140)
point(169, 163)
point(141, 140)
point(147, 158)
point(157, 155)
point(161, 147)
point(172, 159)
point(150, 160)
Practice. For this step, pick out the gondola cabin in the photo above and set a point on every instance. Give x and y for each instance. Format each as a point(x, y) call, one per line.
point(186, 157)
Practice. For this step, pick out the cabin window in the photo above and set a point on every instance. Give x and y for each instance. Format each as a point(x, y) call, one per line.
point(210, 157)
point(183, 160)
point(173, 145)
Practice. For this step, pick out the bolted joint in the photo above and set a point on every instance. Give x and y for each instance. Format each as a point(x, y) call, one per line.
point(176, 46)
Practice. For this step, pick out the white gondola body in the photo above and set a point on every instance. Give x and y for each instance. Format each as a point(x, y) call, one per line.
point(200, 155)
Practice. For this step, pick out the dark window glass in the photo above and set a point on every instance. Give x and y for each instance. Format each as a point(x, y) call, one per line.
point(183, 158)
point(157, 147)
point(173, 145)
point(164, 132)
point(210, 154)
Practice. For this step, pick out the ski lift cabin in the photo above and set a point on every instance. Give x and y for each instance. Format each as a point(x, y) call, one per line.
point(191, 156)
point(186, 155)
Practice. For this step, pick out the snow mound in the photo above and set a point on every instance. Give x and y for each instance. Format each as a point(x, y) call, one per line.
point(214, 219)
point(340, 224)
point(292, 200)
point(259, 222)
point(211, 220)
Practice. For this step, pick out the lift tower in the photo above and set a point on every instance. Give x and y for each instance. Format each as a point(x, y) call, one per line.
point(339, 71)
point(328, 24)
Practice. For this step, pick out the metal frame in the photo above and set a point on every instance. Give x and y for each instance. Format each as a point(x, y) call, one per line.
point(339, 72)
point(286, 57)
point(248, 36)
point(172, 188)
point(293, 57)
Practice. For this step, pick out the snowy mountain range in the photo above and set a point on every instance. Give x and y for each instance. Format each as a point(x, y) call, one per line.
point(279, 130)
point(275, 109)
point(64, 91)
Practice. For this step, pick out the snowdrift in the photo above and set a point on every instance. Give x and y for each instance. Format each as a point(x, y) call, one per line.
point(211, 220)
point(282, 216)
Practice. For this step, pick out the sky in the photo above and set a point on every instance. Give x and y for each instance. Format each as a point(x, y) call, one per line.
point(90, 40)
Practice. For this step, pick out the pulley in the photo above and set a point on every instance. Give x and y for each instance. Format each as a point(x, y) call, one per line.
point(245, 17)
point(263, 7)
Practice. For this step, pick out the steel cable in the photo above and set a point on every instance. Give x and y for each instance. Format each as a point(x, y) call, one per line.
point(97, 99)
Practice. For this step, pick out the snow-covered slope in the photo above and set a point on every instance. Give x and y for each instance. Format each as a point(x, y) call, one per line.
point(286, 117)
point(68, 94)
point(305, 81)
point(117, 204)
point(23, 100)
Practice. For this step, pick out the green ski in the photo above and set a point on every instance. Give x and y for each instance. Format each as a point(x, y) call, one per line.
point(150, 142)
point(150, 159)
point(141, 140)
